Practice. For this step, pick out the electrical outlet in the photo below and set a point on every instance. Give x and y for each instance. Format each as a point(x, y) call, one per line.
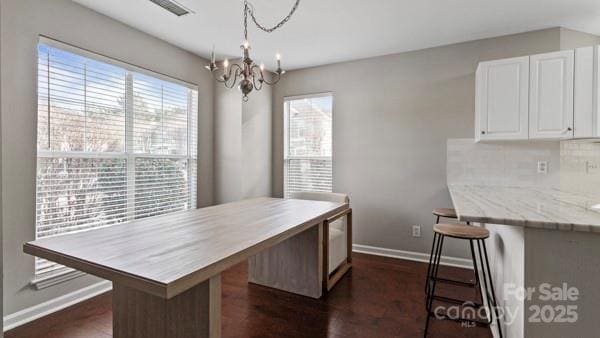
point(592, 168)
point(416, 231)
point(542, 167)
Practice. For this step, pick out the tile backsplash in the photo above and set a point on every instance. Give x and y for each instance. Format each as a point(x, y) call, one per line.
point(502, 163)
point(572, 165)
point(580, 165)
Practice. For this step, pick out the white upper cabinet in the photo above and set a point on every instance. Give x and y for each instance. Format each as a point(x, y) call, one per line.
point(586, 121)
point(502, 99)
point(551, 95)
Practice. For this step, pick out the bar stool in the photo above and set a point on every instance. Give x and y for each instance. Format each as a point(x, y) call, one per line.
point(472, 234)
point(450, 214)
point(445, 213)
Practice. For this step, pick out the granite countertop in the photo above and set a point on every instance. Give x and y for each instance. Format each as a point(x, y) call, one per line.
point(535, 207)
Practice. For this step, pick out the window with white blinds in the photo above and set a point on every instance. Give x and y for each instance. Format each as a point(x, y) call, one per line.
point(115, 144)
point(308, 144)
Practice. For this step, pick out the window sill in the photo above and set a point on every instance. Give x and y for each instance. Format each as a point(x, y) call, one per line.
point(57, 278)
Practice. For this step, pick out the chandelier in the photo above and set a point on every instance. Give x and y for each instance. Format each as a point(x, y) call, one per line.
point(250, 75)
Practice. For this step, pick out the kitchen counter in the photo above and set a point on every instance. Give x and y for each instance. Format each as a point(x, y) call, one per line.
point(534, 207)
point(527, 252)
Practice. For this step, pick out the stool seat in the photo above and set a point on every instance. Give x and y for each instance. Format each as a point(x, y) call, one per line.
point(445, 212)
point(461, 231)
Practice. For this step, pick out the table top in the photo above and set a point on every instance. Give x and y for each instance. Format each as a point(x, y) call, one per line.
point(169, 254)
point(533, 207)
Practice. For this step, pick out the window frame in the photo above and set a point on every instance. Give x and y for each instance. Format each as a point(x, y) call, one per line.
point(286, 135)
point(128, 153)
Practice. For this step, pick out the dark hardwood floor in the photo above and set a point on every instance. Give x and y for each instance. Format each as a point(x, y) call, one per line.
point(380, 297)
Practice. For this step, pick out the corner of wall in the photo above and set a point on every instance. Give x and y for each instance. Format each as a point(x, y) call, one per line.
point(276, 138)
point(1, 226)
point(242, 152)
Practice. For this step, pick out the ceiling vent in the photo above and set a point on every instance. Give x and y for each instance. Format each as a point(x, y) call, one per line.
point(172, 7)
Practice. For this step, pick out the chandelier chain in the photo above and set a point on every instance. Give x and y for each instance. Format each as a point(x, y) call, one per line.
point(248, 7)
point(245, 20)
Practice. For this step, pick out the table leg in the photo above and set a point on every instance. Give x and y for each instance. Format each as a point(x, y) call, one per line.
point(193, 313)
point(294, 265)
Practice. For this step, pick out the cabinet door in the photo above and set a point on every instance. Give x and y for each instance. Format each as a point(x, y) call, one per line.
point(583, 115)
point(596, 94)
point(551, 95)
point(502, 92)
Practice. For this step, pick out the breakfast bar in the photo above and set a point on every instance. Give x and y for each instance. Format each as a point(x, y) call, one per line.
point(544, 241)
point(532, 207)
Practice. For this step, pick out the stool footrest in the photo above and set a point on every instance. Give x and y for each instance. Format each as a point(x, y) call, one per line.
point(455, 282)
point(458, 283)
point(463, 302)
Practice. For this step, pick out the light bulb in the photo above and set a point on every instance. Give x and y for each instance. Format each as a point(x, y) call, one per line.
point(246, 44)
point(226, 63)
point(262, 67)
point(278, 57)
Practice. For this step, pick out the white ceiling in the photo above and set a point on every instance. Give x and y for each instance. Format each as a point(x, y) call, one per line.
point(329, 31)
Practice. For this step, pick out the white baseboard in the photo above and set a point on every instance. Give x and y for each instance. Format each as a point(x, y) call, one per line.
point(26, 315)
point(411, 256)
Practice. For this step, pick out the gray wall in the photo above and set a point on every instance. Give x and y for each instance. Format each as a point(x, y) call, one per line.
point(242, 144)
point(256, 143)
point(228, 145)
point(392, 116)
point(21, 23)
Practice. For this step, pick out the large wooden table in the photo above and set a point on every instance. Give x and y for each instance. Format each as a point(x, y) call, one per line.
point(166, 271)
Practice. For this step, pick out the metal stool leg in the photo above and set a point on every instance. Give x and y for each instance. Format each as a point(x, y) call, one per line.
point(485, 284)
point(489, 276)
point(430, 258)
point(432, 290)
point(476, 270)
point(434, 269)
point(435, 238)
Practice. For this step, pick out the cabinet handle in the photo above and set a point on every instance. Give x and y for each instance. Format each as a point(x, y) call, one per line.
point(566, 130)
point(482, 132)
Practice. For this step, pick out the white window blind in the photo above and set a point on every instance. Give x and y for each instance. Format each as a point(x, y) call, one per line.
point(308, 144)
point(114, 144)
